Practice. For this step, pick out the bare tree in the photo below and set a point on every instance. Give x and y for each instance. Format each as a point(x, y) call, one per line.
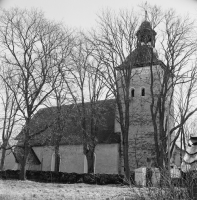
point(60, 94)
point(185, 108)
point(84, 82)
point(30, 44)
point(169, 110)
point(60, 97)
point(9, 118)
point(116, 40)
point(113, 43)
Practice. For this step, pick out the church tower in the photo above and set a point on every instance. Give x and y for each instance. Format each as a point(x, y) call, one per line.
point(141, 136)
point(141, 132)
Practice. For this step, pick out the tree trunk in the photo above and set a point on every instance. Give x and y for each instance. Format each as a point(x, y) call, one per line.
point(90, 160)
point(126, 160)
point(23, 170)
point(4, 145)
point(2, 159)
point(24, 161)
point(57, 158)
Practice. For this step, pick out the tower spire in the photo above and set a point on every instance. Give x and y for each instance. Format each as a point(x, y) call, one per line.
point(146, 13)
point(145, 33)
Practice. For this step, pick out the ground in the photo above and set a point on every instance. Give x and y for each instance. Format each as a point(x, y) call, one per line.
point(30, 190)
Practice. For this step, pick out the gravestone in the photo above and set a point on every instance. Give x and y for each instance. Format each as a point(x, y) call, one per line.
point(147, 176)
point(140, 176)
point(156, 177)
point(175, 172)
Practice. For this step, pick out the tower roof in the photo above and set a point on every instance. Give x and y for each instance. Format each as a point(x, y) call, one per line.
point(145, 26)
point(141, 56)
point(145, 53)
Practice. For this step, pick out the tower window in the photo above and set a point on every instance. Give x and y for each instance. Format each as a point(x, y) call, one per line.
point(143, 92)
point(132, 92)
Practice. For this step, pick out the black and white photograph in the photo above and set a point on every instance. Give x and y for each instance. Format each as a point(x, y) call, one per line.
point(98, 100)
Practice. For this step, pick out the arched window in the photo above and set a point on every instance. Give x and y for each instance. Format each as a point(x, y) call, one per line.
point(53, 162)
point(60, 162)
point(143, 92)
point(94, 163)
point(132, 92)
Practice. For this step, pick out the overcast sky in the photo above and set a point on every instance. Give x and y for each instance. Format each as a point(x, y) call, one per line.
point(82, 13)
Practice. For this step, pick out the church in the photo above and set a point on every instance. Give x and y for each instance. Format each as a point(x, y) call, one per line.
point(108, 156)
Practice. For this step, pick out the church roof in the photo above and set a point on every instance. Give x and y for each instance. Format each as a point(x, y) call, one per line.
point(43, 125)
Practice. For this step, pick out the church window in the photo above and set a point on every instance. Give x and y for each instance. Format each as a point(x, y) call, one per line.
point(143, 92)
point(94, 163)
point(132, 92)
point(53, 162)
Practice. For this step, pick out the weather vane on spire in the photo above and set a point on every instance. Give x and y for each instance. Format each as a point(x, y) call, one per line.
point(146, 14)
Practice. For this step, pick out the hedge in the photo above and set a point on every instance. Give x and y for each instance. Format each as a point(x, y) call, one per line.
point(100, 179)
point(63, 177)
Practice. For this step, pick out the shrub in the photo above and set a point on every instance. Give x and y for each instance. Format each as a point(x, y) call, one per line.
point(63, 177)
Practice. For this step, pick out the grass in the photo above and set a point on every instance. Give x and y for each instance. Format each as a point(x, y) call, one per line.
point(30, 190)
